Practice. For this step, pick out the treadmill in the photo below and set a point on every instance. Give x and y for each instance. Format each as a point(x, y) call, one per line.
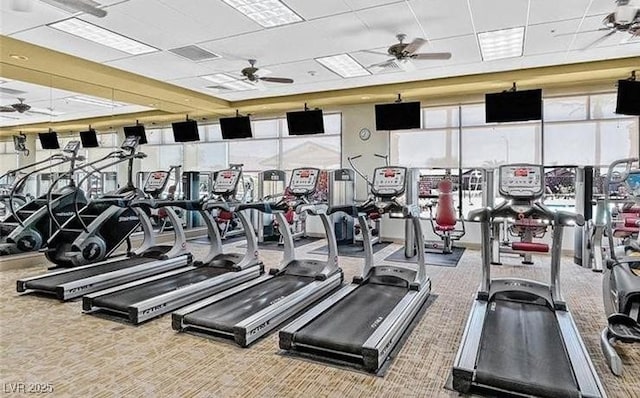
point(149, 259)
point(520, 337)
point(148, 298)
point(249, 311)
point(361, 323)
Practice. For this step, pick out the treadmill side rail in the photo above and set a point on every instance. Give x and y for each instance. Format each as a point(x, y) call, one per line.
point(464, 366)
point(586, 376)
point(262, 322)
point(385, 337)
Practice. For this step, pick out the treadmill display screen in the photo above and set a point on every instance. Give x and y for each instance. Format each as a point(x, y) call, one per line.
point(389, 181)
point(155, 181)
point(226, 181)
point(521, 181)
point(72, 147)
point(303, 181)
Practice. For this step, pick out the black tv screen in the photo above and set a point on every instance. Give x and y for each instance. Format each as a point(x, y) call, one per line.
point(305, 122)
point(628, 97)
point(136, 131)
point(89, 139)
point(235, 127)
point(513, 106)
point(185, 131)
point(49, 140)
point(398, 116)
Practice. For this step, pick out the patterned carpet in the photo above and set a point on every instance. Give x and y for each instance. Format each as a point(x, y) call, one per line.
point(44, 341)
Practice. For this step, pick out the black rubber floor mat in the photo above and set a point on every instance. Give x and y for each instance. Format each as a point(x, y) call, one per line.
point(350, 250)
point(441, 260)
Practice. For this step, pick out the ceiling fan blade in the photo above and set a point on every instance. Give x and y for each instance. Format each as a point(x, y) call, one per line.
point(43, 111)
point(598, 40)
point(7, 109)
point(376, 52)
point(86, 6)
point(276, 79)
point(414, 45)
point(384, 64)
point(427, 56)
point(582, 31)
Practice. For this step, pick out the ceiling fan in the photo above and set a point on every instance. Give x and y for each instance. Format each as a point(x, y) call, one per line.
point(21, 107)
point(249, 74)
point(625, 18)
point(86, 6)
point(404, 52)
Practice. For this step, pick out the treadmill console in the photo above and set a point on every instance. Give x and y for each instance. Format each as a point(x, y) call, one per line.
point(521, 181)
point(130, 142)
point(156, 182)
point(72, 147)
point(389, 181)
point(226, 182)
point(304, 181)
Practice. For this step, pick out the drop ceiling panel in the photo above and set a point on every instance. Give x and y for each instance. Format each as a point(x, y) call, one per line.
point(602, 7)
point(13, 21)
point(377, 20)
point(162, 66)
point(317, 9)
point(443, 18)
point(298, 42)
point(547, 10)
point(70, 44)
point(550, 37)
point(498, 14)
point(167, 26)
point(360, 4)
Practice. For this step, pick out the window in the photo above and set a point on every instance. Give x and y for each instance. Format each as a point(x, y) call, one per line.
point(501, 144)
point(426, 148)
point(255, 155)
point(565, 108)
point(321, 151)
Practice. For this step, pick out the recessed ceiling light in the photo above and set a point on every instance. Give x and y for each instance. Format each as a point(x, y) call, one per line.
point(499, 44)
point(268, 13)
point(344, 65)
point(19, 57)
point(95, 101)
point(365, 97)
point(96, 34)
point(230, 82)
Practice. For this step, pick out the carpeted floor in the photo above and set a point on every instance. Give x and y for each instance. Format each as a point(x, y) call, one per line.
point(44, 341)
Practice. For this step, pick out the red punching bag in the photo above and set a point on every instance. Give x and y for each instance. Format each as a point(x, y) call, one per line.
point(446, 212)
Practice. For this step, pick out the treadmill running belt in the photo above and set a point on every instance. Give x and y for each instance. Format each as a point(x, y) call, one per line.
point(225, 314)
point(122, 299)
point(49, 283)
point(347, 325)
point(522, 351)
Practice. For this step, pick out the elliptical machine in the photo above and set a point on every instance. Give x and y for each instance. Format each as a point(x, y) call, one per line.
point(621, 279)
point(94, 232)
point(28, 227)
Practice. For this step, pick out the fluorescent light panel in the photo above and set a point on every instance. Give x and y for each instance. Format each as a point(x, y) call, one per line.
point(268, 13)
point(499, 44)
point(96, 34)
point(344, 65)
point(95, 101)
point(230, 82)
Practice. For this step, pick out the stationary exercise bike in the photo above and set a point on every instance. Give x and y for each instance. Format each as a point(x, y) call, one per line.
point(621, 279)
point(28, 227)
